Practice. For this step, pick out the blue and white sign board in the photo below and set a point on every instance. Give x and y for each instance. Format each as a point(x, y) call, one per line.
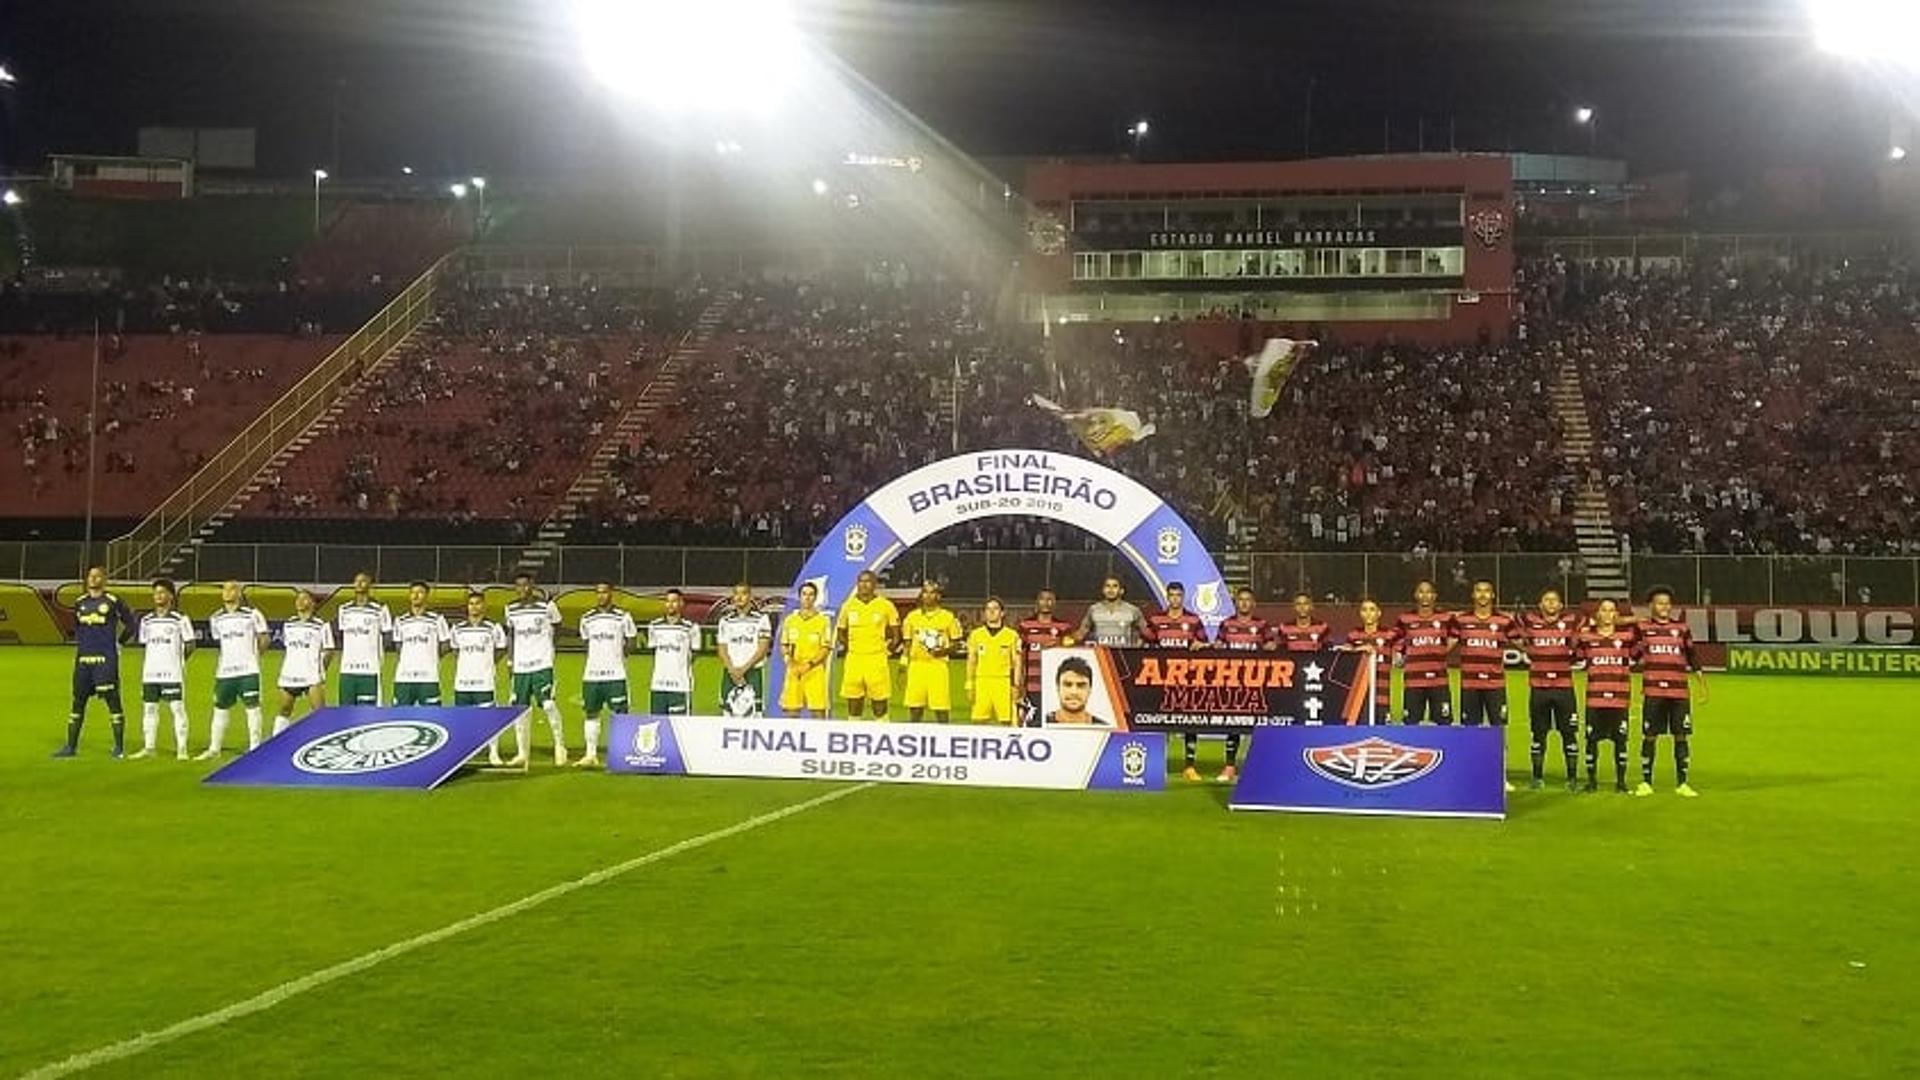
point(1417, 771)
point(957, 754)
point(369, 747)
point(1029, 483)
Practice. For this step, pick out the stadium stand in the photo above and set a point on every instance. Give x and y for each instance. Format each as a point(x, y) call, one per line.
point(1752, 410)
point(165, 403)
point(474, 429)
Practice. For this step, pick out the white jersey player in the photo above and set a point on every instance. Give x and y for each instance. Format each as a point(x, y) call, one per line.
point(744, 637)
point(419, 635)
point(241, 633)
point(531, 622)
point(673, 640)
point(308, 641)
point(167, 635)
point(603, 686)
point(477, 643)
point(365, 624)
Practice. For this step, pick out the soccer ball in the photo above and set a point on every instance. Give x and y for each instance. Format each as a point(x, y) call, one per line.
point(742, 701)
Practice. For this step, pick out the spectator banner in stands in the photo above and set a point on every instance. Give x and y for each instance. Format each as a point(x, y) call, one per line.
point(1023, 483)
point(365, 746)
point(1415, 771)
point(1204, 691)
point(1790, 660)
point(956, 754)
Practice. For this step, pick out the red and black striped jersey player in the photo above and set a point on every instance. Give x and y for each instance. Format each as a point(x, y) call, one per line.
point(1178, 628)
point(1378, 642)
point(1607, 650)
point(1245, 631)
point(1042, 630)
point(1550, 634)
point(1666, 705)
point(1484, 634)
point(1305, 632)
point(1426, 637)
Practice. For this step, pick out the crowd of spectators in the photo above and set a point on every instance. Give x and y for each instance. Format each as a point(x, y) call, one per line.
point(1755, 409)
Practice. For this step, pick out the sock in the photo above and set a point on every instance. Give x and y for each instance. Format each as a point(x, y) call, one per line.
point(1593, 758)
point(1537, 753)
point(593, 736)
point(179, 726)
point(149, 724)
point(554, 725)
point(119, 722)
point(220, 717)
point(280, 723)
point(523, 734)
point(254, 725)
point(1233, 750)
point(74, 723)
point(1682, 757)
point(1646, 761)
point(1193, 744)
point(1570, 750)
point(1620, 759)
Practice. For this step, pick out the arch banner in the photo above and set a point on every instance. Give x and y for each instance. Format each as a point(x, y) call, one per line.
point(1006, 483)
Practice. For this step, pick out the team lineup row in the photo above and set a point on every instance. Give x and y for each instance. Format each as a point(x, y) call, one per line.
point(868, 633)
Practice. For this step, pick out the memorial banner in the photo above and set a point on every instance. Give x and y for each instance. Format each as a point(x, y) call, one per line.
point(1205, 691)
point(1414, 771)
point(958, 754)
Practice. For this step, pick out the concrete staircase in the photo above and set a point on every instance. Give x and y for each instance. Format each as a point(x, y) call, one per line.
point(1594, 532)
point(406, 350)
point(659, 393)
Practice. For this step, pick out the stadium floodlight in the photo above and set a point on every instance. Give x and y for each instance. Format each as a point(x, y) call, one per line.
point(11, 197)
point(459, 190)
point(1866, 29)
point(819, 186)
point(319, 175)
point(479, 183)
point(1140, 129)
point(406, 170)
point(1583, 115)
point(1898, 153)
point(714, 56)
point(6, 75)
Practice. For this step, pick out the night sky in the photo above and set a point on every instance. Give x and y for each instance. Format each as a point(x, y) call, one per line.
point(484, 85)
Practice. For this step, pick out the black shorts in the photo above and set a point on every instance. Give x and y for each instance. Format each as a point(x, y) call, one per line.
point(1666, 716)
point(1606, 725)
point(96, 677)
point(1483, 707)
point(1433, 703)
point(1549, 708)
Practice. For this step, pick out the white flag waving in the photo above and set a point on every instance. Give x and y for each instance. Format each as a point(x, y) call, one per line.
point(1270, 368)
point(1103, 430)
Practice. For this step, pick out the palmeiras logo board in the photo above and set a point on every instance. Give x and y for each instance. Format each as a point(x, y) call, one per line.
point(366, 746)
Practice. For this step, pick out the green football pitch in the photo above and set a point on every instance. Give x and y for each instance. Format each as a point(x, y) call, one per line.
point(1765, 928)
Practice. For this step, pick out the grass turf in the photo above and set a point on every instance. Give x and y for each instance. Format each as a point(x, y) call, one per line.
point(1763, 928)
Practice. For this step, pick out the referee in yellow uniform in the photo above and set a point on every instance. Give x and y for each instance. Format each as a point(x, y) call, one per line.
point(993, 664)
point(932, 633)
point(806, 638)
point(867, 632)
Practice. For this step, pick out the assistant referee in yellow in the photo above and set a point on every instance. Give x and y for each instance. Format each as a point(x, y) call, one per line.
point(867, 632)
point(993, 666)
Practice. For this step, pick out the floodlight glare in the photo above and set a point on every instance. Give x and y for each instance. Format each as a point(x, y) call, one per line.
point(819, 187)
point(1583, 115)
point(406, 170)
point(1866, 29)
point(479, 183)
point(715, 56)
point(6, 75)
point(1140, 128)
point(1898, 153)
point(319, 175)
point(11, 197)
point(459, 191)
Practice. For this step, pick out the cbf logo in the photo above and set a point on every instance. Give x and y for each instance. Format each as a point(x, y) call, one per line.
point(1133, 763)
point(1167, 544)
point(855, 541)
point(644, 751)
point(370, 748)
point(1207, 597)
point(1372, 763)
